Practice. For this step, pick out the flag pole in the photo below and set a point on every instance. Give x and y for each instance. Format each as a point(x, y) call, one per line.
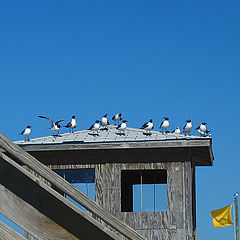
point(236, 216)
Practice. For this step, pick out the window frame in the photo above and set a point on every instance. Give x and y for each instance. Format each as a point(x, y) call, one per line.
point(136, 177)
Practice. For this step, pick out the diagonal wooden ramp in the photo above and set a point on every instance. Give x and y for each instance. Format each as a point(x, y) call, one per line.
point(43, 212)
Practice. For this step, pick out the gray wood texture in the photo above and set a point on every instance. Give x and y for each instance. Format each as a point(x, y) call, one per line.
point(7, 233)
point(40, 182)
point(116, 145)
point(176, 223)
point(31, 220)
point(90, 232)
point(29, 236)
point(179, 158)
point(188, 198)
point(202, 154)
point(67, 188)
point(74, 157)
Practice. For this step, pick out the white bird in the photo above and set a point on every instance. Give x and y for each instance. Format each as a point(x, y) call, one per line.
point(71, 125)
point(117, 117)
point(202, 128)
point(104, 121)
point(121, 127)
point(177, 130)
point(26, 132)
point(188, 127)
point(55, 126)
point(148, 126)
point(203, 134)
point(165, 124)
point(95, 127)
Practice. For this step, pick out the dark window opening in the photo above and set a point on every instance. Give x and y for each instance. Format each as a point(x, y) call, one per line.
point(144, 190)
point(83, 179)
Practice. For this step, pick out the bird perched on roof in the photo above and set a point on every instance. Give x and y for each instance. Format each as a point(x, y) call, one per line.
point(188, 127)
point(71, 125)
point(121, 127)
point(55, 126)
point(204, 134)
point(165, 124)
point(104, 121)
point(148, 126)
point(202, 128)
point(177, 130)
point(26, 132)
point(117, 117)
point(95, 127)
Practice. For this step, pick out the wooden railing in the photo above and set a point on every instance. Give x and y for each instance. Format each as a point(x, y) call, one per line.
point(19, 154)
point(7, 233)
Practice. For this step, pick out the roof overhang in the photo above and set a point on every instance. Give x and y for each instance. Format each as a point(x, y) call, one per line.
point(109, 147)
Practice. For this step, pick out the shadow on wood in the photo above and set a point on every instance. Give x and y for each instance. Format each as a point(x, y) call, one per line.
point(33, 200)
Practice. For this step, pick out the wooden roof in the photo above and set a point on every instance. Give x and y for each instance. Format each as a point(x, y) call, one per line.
point(132, 138)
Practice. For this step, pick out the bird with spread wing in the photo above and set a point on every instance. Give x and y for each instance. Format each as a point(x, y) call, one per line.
point(55, 126)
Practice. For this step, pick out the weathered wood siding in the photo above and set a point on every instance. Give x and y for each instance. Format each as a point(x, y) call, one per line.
point(42, 212)
point(174, 224)
point(67, 188)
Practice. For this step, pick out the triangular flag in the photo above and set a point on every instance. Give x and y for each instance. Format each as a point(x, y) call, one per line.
point(222, 217)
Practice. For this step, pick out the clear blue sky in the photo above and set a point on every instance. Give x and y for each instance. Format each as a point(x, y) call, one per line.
point(146, 59)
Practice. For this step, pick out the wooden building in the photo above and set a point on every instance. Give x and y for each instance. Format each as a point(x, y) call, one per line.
point(145, 180)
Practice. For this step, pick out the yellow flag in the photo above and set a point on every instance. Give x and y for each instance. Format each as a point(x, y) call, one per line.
point(222, 217)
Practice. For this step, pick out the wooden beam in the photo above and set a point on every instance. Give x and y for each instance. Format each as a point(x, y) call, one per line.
point(66, 187)
point(7, 233)
point(42, 222)
point(30, 219)
point(148, 155)
point(117, 145)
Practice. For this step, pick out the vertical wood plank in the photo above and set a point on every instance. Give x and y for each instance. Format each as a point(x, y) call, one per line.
point(188, 188)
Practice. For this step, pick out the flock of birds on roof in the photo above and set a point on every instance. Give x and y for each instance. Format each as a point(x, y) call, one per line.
point(121, 127)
